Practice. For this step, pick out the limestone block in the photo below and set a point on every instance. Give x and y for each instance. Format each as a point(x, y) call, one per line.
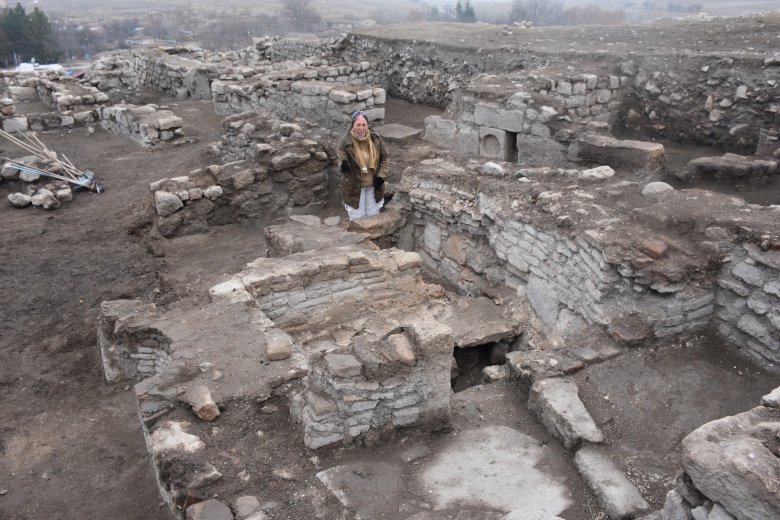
point(16, 124)
point(23, 93)
point(404, 349)
point(64, 195)
point(172, 437)
point(375, 113)
point(170, 122)
point(213, 192)
point(45, 199)
point(243, 179)
point(342, 97)
point(167, 203)
point(199, 397)
point(289, 160)
point(618, 496)
point(19, 200)
point(211, 509)
point(730, 166)
point(278, 345)
point(595, 174)
point(447, 133)
point(495, 143)
point(343, 365)
point(646, 159)
point(653, 189)
point(729, 461)
point(557, 404)
point(493, 116)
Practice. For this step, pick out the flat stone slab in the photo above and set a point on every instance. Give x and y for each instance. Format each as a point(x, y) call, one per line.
point(395, 133)
point(557, 403)
point(303, 234)
point(731, 166)
point(619, 498)
point(382, 224)
point(480, 321)
point(368, 488)
point(533, 365)
point(498, 466)
point(639, 157)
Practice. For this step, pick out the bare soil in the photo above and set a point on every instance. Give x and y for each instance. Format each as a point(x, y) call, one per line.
point(72, 446)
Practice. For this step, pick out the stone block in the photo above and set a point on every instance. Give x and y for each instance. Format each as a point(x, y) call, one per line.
point(343, 365)
point(643, 159)
point(211, 509)
point(493, 116)
point(278, 345)
point(557, 404)
point(618, 496)
point(450, 134)
point(496, 144)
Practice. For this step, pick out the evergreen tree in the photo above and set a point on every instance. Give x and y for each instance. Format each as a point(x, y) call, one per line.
point(42, 46)
point(16, 26)
point(459, 12)
point(469, 16)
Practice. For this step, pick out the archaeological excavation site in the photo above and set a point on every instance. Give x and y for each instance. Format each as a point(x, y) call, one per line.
point(568, 307)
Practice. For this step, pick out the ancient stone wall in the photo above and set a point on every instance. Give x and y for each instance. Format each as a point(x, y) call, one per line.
point(374, 384)
point(270, 165)
point(147, 125)
point(294, 47)
point(747, 303)
point(173, 75)
point(706, 100)
point(477, 237)
point(67, 96)
point(328, 104)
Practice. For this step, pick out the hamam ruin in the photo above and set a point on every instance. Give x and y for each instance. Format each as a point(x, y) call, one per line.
point(571, 234)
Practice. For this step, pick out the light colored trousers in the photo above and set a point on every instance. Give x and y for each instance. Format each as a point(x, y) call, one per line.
point(368, 206)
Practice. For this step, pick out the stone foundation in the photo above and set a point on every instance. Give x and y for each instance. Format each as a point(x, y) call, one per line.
point(147, 125)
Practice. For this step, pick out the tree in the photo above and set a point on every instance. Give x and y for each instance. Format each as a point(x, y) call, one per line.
point(42, 45)
point(540, 12)
point(301, 13)
point(458, 12)
point(16, 26)
point(469, 16)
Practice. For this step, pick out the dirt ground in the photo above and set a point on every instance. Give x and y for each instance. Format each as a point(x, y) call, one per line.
point(72, 446)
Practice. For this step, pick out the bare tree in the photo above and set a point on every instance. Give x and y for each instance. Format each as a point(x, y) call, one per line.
point(300, 12)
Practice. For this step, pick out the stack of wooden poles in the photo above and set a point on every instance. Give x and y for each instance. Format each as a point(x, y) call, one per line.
point(31, 144)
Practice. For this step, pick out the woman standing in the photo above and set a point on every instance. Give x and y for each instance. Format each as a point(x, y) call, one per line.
point(364, 162)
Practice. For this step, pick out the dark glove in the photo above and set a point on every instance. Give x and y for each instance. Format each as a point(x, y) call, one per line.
point(378, 181)
point(344, 166)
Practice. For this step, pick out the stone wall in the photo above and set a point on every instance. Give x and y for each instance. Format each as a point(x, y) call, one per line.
point(269, 166)
point(147, 125)
point(490, 232)
point(377, 383)
point(68, 96)
point(328, 104)
point(172, 74)
point(294, 47)
point(704, 100)
point(747, 303)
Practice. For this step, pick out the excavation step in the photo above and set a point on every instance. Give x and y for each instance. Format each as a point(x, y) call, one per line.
point(557, 404)
point(619, 498)
point(732, 166)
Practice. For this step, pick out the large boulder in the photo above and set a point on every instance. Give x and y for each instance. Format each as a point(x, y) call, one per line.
point(731, 461)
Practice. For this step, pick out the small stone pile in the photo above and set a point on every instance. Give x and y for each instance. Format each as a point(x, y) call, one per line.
point(148, 125)
point(38, 191)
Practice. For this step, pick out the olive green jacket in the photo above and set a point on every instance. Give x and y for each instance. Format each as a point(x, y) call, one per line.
point(350, 180)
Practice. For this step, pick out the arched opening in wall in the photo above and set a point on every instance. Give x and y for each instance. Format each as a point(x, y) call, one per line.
point(469, 363)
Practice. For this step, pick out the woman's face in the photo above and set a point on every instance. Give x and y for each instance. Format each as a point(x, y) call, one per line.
point(360, 126)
